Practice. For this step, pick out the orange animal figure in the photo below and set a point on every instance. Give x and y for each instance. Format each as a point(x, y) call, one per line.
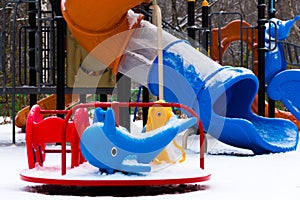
point(158, 117)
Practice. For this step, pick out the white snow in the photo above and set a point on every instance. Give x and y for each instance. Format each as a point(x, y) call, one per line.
point(63, 5)
point(132, 18)
point(271, 176)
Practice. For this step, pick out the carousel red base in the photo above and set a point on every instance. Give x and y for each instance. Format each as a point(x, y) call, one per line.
point(55, 171)
point(87, 175)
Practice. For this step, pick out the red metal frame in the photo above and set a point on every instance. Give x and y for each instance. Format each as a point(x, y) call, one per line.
point(116, 106)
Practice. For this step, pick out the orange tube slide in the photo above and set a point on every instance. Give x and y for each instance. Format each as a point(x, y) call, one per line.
point(92, 22)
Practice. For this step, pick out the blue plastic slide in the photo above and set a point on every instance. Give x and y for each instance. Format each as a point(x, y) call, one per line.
point(285, 86)
point(276, 32)
point(222, 96)
point(282, 84)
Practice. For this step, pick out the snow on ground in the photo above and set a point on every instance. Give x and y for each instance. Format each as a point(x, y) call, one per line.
point(234, 177)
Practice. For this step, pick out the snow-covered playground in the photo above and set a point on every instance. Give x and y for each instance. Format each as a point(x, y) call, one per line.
point(235, 174)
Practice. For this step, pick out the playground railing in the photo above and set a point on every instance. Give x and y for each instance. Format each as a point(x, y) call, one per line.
point(291, 53)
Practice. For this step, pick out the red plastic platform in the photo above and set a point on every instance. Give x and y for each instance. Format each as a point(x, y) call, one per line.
point(87, 175)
